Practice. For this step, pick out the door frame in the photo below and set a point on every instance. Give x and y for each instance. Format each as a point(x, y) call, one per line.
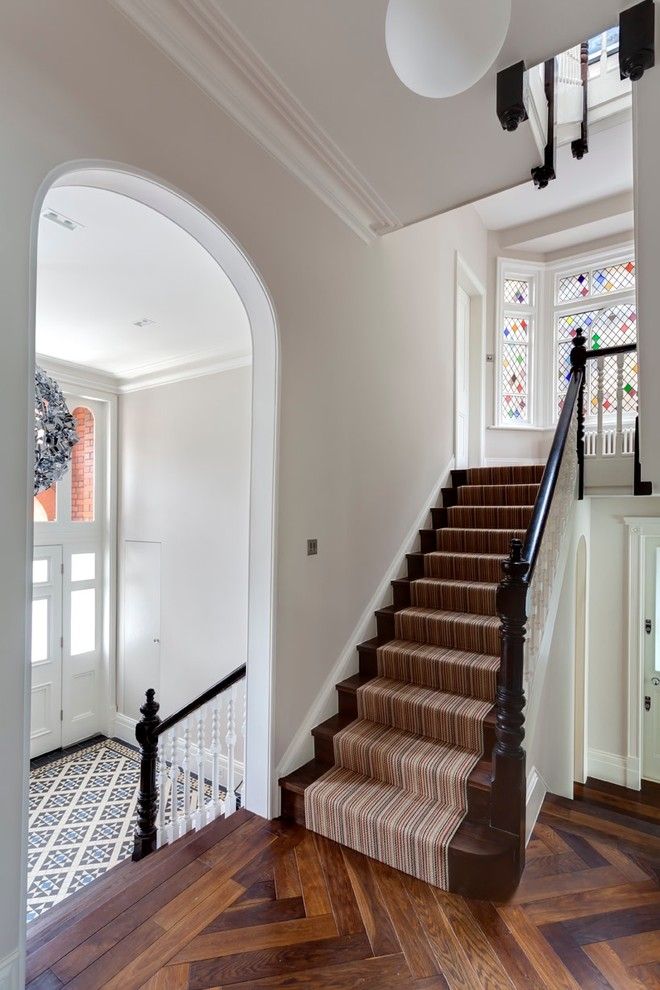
point(466, 279)
point(642, 530)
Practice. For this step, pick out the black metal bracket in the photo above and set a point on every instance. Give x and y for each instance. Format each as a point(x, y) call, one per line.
point(545, 173)
point(580, 147)
point(637, 40)
point(511, 109)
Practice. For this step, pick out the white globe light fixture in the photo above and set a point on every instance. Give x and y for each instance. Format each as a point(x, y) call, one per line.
point(439, 48)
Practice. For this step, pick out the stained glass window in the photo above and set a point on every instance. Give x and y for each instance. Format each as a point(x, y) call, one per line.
point(514, 383)
point(516, 292)
point(617, 278)
point(515, 329)
point(573, 287)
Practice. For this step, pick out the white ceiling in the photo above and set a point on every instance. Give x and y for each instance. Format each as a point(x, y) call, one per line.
point(124, 263)
point(605, 171)
point(310, 79)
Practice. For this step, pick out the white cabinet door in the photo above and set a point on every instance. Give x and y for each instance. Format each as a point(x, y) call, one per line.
point(140, 667)
point(46, 658)
point(462, 377)
point(651, 713)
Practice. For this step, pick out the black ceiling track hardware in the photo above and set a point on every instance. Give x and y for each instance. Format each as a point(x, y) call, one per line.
point(511, 109)
point(545, 173)
point(637, 40)
point(580, 147)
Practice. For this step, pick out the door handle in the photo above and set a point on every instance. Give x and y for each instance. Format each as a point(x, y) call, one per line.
point(655, 681)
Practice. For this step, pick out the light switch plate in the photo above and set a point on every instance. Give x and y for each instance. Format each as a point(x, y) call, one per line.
point(312, 547)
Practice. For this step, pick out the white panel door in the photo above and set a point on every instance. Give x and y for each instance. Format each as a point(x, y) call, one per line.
point(141, 624)
point(46, 659)
point(651, 713)
point(462, 377)
point(81, 666)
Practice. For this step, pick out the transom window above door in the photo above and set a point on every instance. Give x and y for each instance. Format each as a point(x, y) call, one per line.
point(72, 499)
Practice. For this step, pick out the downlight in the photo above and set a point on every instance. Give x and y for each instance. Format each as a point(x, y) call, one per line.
point(61, 220)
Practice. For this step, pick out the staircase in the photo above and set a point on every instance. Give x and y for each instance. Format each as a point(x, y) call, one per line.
point(403, 771)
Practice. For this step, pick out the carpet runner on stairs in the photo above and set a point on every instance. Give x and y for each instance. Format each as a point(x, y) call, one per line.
point(398, 789)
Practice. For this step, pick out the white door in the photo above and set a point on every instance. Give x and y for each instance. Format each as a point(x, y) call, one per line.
point(462, 377)
point(46, 659)
point(140, 666)
point(651, 713)
point(82, 662)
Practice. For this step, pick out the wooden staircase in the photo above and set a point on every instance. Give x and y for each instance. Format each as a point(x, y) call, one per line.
point(483, 861)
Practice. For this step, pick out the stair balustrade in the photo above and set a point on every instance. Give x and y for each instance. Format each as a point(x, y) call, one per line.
point(189, 763)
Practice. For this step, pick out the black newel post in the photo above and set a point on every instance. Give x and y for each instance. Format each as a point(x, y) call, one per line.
point(579, 364)
point(144, 841)
point(509, 780)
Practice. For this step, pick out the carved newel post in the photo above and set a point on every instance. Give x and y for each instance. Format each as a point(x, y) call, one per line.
point(144, 841)
point(578, 366)
point(509, 781)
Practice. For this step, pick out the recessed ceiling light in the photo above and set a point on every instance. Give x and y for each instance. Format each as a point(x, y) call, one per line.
point(144, 322)
point(61, 220)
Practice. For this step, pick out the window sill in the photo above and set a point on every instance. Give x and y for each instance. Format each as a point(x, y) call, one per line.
point(524, 428)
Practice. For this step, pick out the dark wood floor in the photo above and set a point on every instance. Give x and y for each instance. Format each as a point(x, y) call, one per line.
point(248, 903)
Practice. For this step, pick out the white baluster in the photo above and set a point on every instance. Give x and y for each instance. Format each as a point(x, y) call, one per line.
point(215, 758)
point(602, 65)
point(201, 800)
point(244, 740)
point(162, 792)
point(618, 442)
point(174, 773)
point(186, 776)
point(600, 375)
point(230, 739)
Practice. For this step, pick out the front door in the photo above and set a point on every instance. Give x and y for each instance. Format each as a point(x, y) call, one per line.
point(651, 713)
point(462, 376)
point(46, 656)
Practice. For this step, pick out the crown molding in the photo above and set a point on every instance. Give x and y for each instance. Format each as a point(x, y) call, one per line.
point(79, 376)
point(204, 44)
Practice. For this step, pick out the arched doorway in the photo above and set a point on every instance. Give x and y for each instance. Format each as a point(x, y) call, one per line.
point(190, 217)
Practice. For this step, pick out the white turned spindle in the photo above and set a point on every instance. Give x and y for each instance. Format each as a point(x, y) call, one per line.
point(215, 758)
point(230, 739)
point(161, 837)
point(174, 773)
point(603, 55)
point(201, 798)
point(600, 377)
point(186, 776)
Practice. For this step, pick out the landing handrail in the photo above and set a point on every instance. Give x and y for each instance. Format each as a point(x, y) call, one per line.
point(192, 706)
point(609, 351)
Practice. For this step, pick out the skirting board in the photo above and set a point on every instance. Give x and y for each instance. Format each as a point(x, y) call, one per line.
point(299, 750)
point(613, 768)
point(536, 791)
point(125, 730)
point(10, 971)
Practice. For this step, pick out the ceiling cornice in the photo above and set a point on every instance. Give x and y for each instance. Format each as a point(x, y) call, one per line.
point(202, 42)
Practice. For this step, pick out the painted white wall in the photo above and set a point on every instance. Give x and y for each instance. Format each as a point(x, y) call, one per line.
point(366, 346)
point(184, 482)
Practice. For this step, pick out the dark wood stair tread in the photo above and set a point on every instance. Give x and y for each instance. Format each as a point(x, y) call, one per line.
point(299, 779)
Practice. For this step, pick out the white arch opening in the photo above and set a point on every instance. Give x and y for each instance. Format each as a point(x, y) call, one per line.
point(260, 785)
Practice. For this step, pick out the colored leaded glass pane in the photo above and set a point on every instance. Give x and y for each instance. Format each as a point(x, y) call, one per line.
point(613, 279)
point(516, 292)
point(515, 329)
point(568, 326)
point(563, 372)
point(573, 287)
point(601, 327)
point(630, 383)
point(514, 382)
point(609, 399)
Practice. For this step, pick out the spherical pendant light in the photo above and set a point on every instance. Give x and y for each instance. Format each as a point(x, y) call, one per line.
point(439, 48)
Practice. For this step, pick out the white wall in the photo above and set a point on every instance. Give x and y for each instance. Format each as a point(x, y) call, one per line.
point(184, 482)
point(366, 345)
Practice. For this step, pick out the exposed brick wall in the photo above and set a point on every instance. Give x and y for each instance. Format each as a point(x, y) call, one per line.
point(82, 467)
point(48, 502)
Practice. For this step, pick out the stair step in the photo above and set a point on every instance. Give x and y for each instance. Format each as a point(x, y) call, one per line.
point(476, 597)
point(497, 494)
point(490, 516)
point(453, 630)
point(518, 474)
point(468, 540)
point(462, 566)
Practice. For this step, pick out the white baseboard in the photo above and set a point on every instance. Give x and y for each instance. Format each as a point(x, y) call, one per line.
point(536, 792)
point(10, 971)
point(124, 728)
point(613, 768)
point(299, 750)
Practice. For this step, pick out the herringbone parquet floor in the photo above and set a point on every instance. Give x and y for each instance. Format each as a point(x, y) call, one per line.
point(256, 904)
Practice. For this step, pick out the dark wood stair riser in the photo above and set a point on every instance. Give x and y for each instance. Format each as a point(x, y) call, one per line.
point(415, 565)
point(401, 593)
point(385, 624)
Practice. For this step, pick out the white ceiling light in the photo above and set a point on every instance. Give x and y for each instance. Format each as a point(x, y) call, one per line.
point(61, 220)
point(439, 48)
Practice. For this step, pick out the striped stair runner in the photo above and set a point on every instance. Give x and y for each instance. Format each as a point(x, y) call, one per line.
point(398, 789)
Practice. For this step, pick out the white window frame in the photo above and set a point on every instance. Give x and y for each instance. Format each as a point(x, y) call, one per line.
point(542, 387)
point(511, 268)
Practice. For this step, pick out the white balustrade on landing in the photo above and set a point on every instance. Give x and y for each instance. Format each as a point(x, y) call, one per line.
point(201, 764)
point(609, 436)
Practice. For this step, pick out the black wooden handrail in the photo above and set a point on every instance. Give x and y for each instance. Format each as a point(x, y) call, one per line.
point(147, 731)
point(192, 706)
point(609, 351)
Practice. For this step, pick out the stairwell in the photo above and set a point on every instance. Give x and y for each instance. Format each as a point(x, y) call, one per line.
point(403, 771)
